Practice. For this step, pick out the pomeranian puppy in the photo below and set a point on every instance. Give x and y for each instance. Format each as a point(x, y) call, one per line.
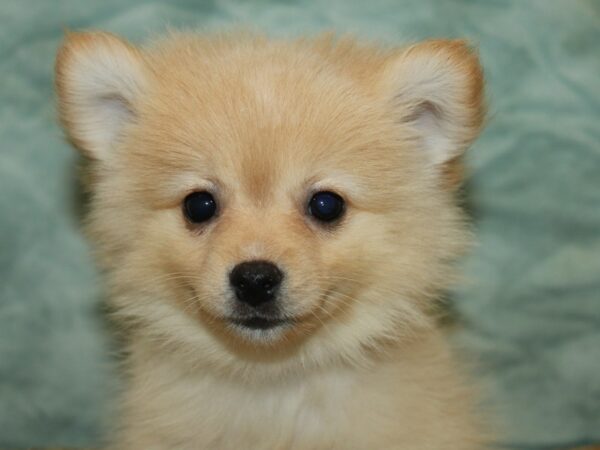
point(276, 221)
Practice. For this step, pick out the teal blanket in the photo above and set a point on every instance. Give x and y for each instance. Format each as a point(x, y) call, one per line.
point(531, 308)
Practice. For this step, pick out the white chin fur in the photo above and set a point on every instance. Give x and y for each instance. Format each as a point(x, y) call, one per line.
point(260, 336)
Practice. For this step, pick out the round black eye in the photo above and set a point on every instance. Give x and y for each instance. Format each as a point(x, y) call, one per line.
point(326, 206)
point(199, 206)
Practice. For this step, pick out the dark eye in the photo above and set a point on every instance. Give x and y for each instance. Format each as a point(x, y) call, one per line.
point(326, 206)
point(199, 206)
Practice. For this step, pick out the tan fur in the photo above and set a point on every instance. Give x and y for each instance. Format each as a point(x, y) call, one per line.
point(263, 124)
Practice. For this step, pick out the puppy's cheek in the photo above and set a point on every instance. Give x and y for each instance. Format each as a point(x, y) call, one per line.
point(185, 282)
point(199, 304)
point(297, 299)
point(337, 301)
point(346, 274)
point(309, 297)
point(303, 288)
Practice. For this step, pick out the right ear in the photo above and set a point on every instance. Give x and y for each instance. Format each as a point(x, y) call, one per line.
point(99, 81)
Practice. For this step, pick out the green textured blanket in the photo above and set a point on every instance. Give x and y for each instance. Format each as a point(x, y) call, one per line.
point(531, 308)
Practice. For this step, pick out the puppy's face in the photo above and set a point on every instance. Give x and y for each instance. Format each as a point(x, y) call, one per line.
point(272, 193)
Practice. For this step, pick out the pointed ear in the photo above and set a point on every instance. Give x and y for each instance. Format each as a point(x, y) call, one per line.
point(99, 80)
point(436, 88)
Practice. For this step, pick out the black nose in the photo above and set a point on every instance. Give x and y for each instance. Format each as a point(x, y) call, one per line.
point(255, 282)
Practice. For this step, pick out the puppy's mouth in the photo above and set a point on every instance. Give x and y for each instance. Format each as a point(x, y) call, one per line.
point(263, 317)
point(259, 323)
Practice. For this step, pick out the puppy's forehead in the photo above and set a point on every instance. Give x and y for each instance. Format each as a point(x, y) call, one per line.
point(261, 120)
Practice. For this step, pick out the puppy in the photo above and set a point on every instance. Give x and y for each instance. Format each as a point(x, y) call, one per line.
point(275, 220)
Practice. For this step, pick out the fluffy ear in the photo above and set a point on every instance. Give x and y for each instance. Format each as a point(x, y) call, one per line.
point(436, 88)
point(99, 80)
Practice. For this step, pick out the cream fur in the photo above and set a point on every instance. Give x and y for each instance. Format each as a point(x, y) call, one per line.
point(262, 124)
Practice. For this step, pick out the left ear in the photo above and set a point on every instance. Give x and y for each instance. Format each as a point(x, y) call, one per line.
point(100, 79)
point(436, 88)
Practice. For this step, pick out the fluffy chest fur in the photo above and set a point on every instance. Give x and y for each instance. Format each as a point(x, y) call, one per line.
point(416, 402)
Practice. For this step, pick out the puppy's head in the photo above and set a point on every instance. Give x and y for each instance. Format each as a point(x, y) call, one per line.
point(247, 192)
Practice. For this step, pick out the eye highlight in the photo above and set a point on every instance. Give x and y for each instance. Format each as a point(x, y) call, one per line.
point(199, 207)
point(326, 206)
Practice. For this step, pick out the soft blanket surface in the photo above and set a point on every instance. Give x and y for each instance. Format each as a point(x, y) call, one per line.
point(532, 304)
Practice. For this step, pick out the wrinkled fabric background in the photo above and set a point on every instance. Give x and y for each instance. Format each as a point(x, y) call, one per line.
point(532, 304)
